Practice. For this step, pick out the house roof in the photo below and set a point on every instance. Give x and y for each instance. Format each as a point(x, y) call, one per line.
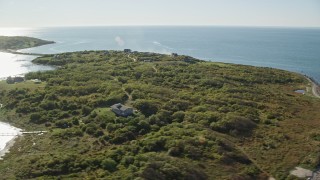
point(120, 107)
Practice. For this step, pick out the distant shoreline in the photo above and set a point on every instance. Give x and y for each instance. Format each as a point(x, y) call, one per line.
point(20, 53)
point(311, 79)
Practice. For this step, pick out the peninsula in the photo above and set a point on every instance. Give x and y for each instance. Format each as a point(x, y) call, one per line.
point(13, 43)
point(188, 119)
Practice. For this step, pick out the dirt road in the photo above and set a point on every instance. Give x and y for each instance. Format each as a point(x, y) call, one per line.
point(314, 88)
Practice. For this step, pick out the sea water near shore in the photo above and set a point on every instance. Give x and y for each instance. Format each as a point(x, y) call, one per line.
point(7, 135)
point(14, 64)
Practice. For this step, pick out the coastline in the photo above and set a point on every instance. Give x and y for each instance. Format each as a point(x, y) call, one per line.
point(8, 142)
point(6, 149)
point(20, 53)
point(6, 127)
point(315, 87)
point(19, 64)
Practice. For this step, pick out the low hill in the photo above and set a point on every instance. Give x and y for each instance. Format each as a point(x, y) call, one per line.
point(193, 119)
point(20, 42)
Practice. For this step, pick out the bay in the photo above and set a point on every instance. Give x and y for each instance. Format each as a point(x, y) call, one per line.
point(13, 65)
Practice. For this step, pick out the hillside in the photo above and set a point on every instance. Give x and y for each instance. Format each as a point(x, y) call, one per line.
point(194, 119)
point(20, 42)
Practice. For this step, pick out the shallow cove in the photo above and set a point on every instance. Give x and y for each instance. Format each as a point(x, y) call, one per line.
point(13, 64)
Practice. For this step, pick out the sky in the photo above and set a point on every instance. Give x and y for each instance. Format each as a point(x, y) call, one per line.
point(47, 13)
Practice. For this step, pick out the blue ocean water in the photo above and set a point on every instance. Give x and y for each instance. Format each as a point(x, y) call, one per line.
point(293, 49)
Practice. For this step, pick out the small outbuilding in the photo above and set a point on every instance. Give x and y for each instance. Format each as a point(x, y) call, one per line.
point(127, 50)
point(12, 80)
point(122, 110)
point(36, 81)
point(174, 54)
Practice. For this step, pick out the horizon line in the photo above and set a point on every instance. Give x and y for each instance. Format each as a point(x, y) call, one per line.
point(164, 25)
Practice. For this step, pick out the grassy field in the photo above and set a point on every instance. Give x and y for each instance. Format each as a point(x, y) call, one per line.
point(4, 86)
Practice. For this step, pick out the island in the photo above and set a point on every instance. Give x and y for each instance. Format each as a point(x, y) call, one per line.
point(140, 115)
point(13, 43)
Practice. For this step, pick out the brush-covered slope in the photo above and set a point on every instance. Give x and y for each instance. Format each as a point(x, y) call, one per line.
point(194, 119)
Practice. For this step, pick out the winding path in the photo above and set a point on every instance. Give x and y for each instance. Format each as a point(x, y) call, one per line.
point(134, 59)
point(315, 90)
point(129, 101)
point(155, 69)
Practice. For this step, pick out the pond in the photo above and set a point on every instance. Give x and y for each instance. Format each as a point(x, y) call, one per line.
point(300, 91)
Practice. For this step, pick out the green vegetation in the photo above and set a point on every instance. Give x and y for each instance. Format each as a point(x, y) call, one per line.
point(20, 42)
point(194, 120)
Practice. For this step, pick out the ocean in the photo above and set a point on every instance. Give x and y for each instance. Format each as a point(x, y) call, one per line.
point(292, 49)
